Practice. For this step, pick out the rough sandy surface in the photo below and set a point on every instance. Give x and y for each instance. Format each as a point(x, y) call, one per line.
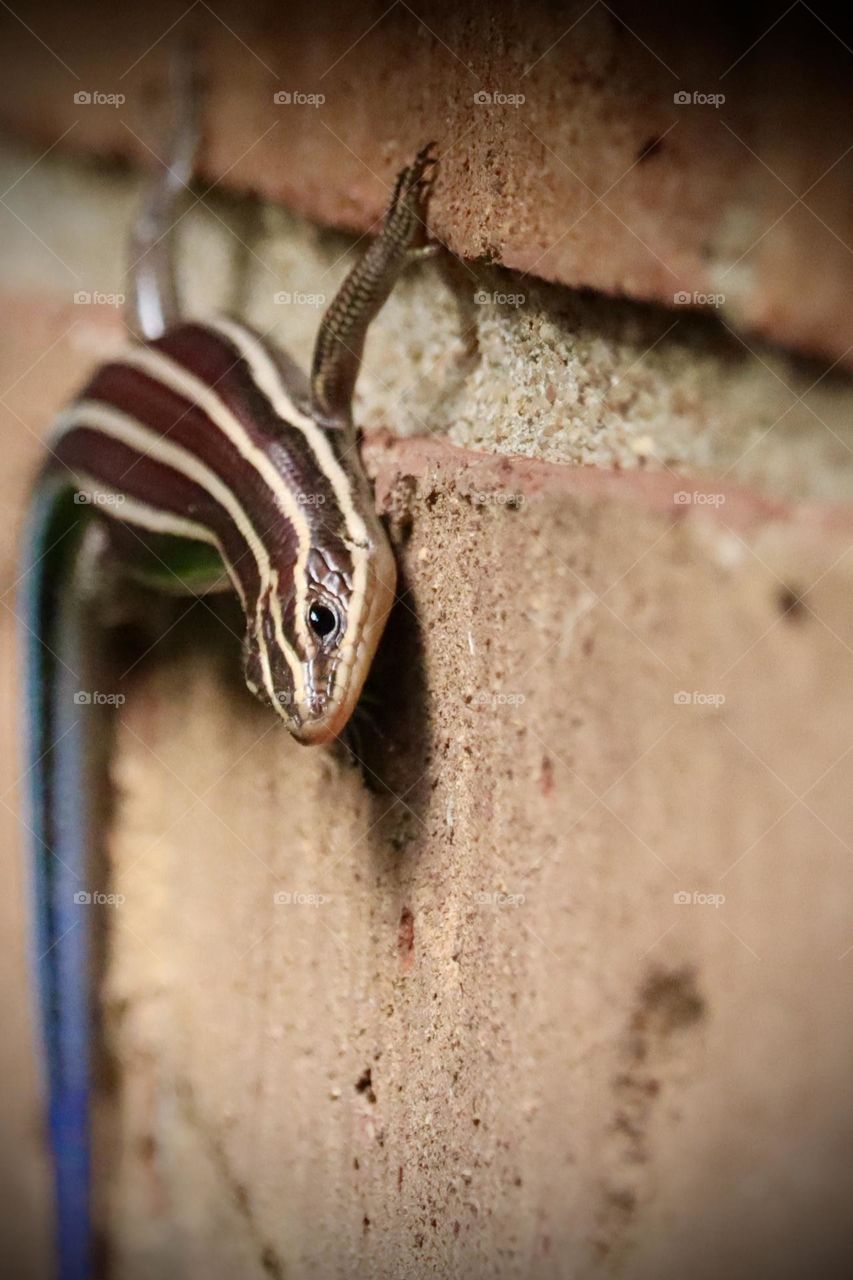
point(481, 1034)
point(499, 1046)
point(616, 146)
point(476, 354)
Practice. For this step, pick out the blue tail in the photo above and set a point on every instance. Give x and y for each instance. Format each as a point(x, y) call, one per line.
point(53, 631)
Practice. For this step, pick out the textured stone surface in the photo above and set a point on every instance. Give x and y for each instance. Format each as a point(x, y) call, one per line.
point(482, 1036)
point(542, 371)
point(599, 177)
point(500, 1018)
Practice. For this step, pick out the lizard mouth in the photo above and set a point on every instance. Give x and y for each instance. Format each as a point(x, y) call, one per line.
point(322, 728)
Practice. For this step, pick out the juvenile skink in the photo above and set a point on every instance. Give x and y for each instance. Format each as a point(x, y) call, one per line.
point(201, 457)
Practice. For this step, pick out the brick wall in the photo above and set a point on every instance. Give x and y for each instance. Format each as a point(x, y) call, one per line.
point(487, 1036)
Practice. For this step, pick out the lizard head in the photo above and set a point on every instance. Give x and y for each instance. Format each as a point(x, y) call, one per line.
point(308, 650)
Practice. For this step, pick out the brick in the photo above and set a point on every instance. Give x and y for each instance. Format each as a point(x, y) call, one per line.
point(484, 1028)
point(598, 179)
point(501, 1047)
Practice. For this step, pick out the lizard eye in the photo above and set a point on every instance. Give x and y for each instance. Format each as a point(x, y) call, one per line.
point(322, 620)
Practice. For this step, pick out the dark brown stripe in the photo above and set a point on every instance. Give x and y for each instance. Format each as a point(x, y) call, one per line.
point(117, 466)
point(183, 423)
point(213, 358)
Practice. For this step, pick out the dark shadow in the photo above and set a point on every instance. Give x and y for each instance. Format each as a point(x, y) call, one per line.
point(390, 739)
